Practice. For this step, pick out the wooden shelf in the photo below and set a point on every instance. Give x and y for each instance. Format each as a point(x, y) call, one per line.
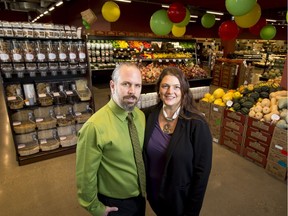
point(23, 160)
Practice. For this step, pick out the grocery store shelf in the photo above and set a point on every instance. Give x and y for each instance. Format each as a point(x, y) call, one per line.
point(23, 160)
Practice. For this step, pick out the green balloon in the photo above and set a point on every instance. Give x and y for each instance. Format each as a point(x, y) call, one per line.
point(185, 21)
point(239, 7)
point(160, 23)
point(268, 32)
point(208, 20)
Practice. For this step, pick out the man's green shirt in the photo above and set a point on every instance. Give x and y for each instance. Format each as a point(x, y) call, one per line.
point(104, 159)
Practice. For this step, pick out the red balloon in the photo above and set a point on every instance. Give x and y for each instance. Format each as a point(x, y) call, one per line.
point(228, 30)
point(176, 12)
point(258, 26)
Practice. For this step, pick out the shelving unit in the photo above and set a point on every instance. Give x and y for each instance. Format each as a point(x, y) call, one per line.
point(106, 51)
point(33, 81)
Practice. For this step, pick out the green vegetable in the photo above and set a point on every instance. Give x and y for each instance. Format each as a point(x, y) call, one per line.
point(264, 94)
point(247, 104)
point(282, 102)
point(244, 111)
point(236, 106)
point(282, 124)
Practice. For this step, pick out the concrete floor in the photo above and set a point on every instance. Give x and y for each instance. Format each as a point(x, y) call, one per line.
point(237, 187)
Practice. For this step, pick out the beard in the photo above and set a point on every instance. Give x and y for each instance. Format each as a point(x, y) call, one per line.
point(127, 105)
point(126, 102)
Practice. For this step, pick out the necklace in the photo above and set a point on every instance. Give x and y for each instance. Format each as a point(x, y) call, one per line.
point(167, 126)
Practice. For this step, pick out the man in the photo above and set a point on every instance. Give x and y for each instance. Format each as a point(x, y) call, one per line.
point(106, 171)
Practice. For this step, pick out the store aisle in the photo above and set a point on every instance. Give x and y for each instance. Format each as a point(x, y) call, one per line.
point(237, 187)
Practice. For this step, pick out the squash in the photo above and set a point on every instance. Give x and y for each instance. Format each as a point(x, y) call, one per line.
point(258, 108)
point(282, 102)
point(259, 115)
point(282, 124)
point(247, 104)
point(265, 102)
point(266, 110)
point(252, 113)
point(267, 117)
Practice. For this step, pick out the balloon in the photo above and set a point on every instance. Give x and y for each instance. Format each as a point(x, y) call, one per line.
point(178, 31)
point(208, 20)
point(258, 26)
point(160, 24)
point(228, 30)
point(176, 12)
point(268, 32)
point(110, 11)
point(186, 19)
point(239, 7)
point(249, 19)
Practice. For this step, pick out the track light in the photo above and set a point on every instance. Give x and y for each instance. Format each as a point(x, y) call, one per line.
point(126, 1)
point(216, 13)
point(59, 3)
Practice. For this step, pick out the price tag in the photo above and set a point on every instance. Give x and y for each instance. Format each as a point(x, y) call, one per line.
point(69, 92)
point(229, 103)
point(78, 113)
point(16, 123)
point(44, 141)
point(56, 94)
point(39, 119)
point(41, 95)
point(59, 116)
point(63, 138)
point(279, 147)
point(11, 98)
point(275, 117)
point(174, 60)
point(167, 60)
point(20, 146)
point(160, 60)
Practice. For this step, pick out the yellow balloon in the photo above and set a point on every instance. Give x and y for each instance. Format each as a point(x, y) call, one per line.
point(178, 31)
point(110, 11)
point(250, 19)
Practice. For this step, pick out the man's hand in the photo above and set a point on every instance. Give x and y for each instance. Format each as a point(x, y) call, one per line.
point(109, 209)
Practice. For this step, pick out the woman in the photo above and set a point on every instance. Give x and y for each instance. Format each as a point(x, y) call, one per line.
point(178, 149)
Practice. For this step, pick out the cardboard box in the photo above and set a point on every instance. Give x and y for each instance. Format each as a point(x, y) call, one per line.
point(216, 112)
point(255, 157)
point(231, 145)
point(274, 156)
point(276, 170)
point(234, 125)
point(279, 138)
point(232, 134)
point(263, 126)
point(259, 135)
point(204, 107)
point(257, 145)
point(236, 116)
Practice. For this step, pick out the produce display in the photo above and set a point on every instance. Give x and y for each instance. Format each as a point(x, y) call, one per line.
point(151, 72)
point(265, 101)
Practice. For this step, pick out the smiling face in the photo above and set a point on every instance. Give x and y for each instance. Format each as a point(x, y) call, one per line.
point(126, 89)
point(170, 91)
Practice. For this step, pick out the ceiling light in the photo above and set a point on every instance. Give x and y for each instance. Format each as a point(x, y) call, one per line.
point(51, 9)
point(41, 15)
point(59, 3)
point(214, 12)
point(192, 21)
point(126, 1)
point(193, 16)
point(46, 12)
point(217, 19)
point(165, 6)
point(270, 20)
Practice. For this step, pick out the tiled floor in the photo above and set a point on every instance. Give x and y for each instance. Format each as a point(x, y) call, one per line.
point(237, 187)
